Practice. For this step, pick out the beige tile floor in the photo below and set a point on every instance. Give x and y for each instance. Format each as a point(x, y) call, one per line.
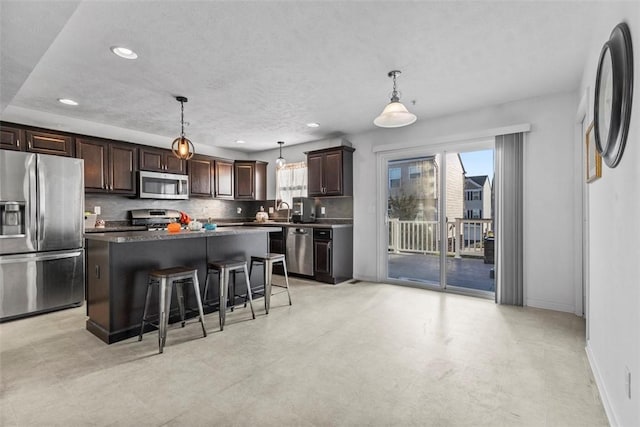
point(352, 354)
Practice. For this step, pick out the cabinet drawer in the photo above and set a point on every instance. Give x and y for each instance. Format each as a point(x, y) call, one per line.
point(322, 234)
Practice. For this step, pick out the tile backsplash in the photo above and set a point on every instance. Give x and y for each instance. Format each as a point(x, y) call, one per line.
point(116, 208)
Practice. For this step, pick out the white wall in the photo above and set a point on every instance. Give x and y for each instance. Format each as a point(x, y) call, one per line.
point(614, 247)
point(550, 166)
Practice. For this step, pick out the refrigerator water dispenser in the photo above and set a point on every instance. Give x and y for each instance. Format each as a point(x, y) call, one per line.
point(11, 218)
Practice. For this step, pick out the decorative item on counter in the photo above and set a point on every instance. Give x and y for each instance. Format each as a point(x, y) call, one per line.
point(174, 227)
point(262, 216)
point(184, 218)
point(210, 226)
point(100, 223)
point(90, 220)
point(195, 225)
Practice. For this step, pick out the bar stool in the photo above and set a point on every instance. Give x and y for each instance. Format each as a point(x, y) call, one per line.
point(268, 261)
point(177, 276)
point(223, 268)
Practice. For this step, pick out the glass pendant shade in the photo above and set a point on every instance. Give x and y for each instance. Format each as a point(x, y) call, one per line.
point(280, 162)
point(394, 115)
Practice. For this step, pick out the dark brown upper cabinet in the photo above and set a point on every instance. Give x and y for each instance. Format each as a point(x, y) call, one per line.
point(250, 180)
point(109, 167)
point(12, 138)
point(211, 177)
point(330, 172)
point(160, 160)
point(49, 143)
point(201, 170)
point(224, 179)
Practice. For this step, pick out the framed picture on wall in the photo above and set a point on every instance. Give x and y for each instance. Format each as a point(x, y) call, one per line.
point(594, 159)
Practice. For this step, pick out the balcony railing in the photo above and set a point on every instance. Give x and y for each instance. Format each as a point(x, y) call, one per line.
point(464, 236)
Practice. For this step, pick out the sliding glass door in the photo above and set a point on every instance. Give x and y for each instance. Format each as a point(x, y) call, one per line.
point(413, 219)
point(440, 220)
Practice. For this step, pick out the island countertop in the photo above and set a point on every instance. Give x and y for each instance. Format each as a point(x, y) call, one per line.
point(147, 236)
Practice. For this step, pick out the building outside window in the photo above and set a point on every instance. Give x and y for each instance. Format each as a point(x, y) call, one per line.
point(415, 172)
point(395, 176)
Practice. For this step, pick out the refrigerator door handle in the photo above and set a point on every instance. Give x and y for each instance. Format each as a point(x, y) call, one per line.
point(41, 207)
point(33, 200)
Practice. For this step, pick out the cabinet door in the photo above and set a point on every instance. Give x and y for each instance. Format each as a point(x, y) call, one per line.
point(332, 174)
point(314, 175)
point(260, 181)
point(49, 143)
point(276, 245)
point(224, 179)
point(12, 138)
point(151, 160)
point(201, 177)
point(123, 159)
point(244, 181)
point(94, 153)
point(172, 164)
point(322, 258)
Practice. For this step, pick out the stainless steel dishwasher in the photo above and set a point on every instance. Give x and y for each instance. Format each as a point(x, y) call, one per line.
point(300, 250)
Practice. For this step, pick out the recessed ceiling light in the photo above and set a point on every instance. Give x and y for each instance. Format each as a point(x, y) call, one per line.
point(67, 101)
point(239, 141)
point(124, 52)
point(313, 125)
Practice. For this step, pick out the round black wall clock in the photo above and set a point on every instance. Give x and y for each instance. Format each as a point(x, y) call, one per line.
point(614, 91)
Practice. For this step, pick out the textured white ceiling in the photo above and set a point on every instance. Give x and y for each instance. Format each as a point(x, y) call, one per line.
point(259, 71)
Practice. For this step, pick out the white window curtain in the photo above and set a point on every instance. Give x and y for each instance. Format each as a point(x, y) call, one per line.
point(509, 218)
point(291, 181)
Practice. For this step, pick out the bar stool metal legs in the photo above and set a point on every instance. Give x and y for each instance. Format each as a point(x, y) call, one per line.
point(268, 261)
point(224, 268)
point(165, 280)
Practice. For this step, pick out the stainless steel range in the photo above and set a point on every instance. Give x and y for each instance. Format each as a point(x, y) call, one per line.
point(154, 219)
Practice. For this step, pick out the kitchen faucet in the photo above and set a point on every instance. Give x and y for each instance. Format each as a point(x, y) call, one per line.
point(279, 207)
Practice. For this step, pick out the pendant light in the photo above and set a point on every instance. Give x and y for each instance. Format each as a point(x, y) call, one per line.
point(182, 148)
point(395, 114)
point(280, 160)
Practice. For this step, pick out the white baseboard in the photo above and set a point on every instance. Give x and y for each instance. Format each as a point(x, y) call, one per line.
point(604, 396)
point(549, 305)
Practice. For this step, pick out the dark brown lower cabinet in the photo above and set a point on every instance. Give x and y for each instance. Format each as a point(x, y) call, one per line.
point(333, 254)
point(276, 246)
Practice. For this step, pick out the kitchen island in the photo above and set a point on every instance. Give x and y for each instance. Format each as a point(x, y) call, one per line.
point(118, 264)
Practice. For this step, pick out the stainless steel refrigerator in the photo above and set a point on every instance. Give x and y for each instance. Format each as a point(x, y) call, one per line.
point(41, 226)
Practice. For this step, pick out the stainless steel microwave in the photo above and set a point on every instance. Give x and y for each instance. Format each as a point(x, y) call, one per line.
point(159, 185)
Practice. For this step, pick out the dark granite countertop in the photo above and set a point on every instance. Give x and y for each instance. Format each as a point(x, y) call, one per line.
point(287, 224)
point(148, 236)
point(114, 228)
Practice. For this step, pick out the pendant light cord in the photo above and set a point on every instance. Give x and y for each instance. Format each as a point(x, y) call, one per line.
point(394, 94)
point(182, 118)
